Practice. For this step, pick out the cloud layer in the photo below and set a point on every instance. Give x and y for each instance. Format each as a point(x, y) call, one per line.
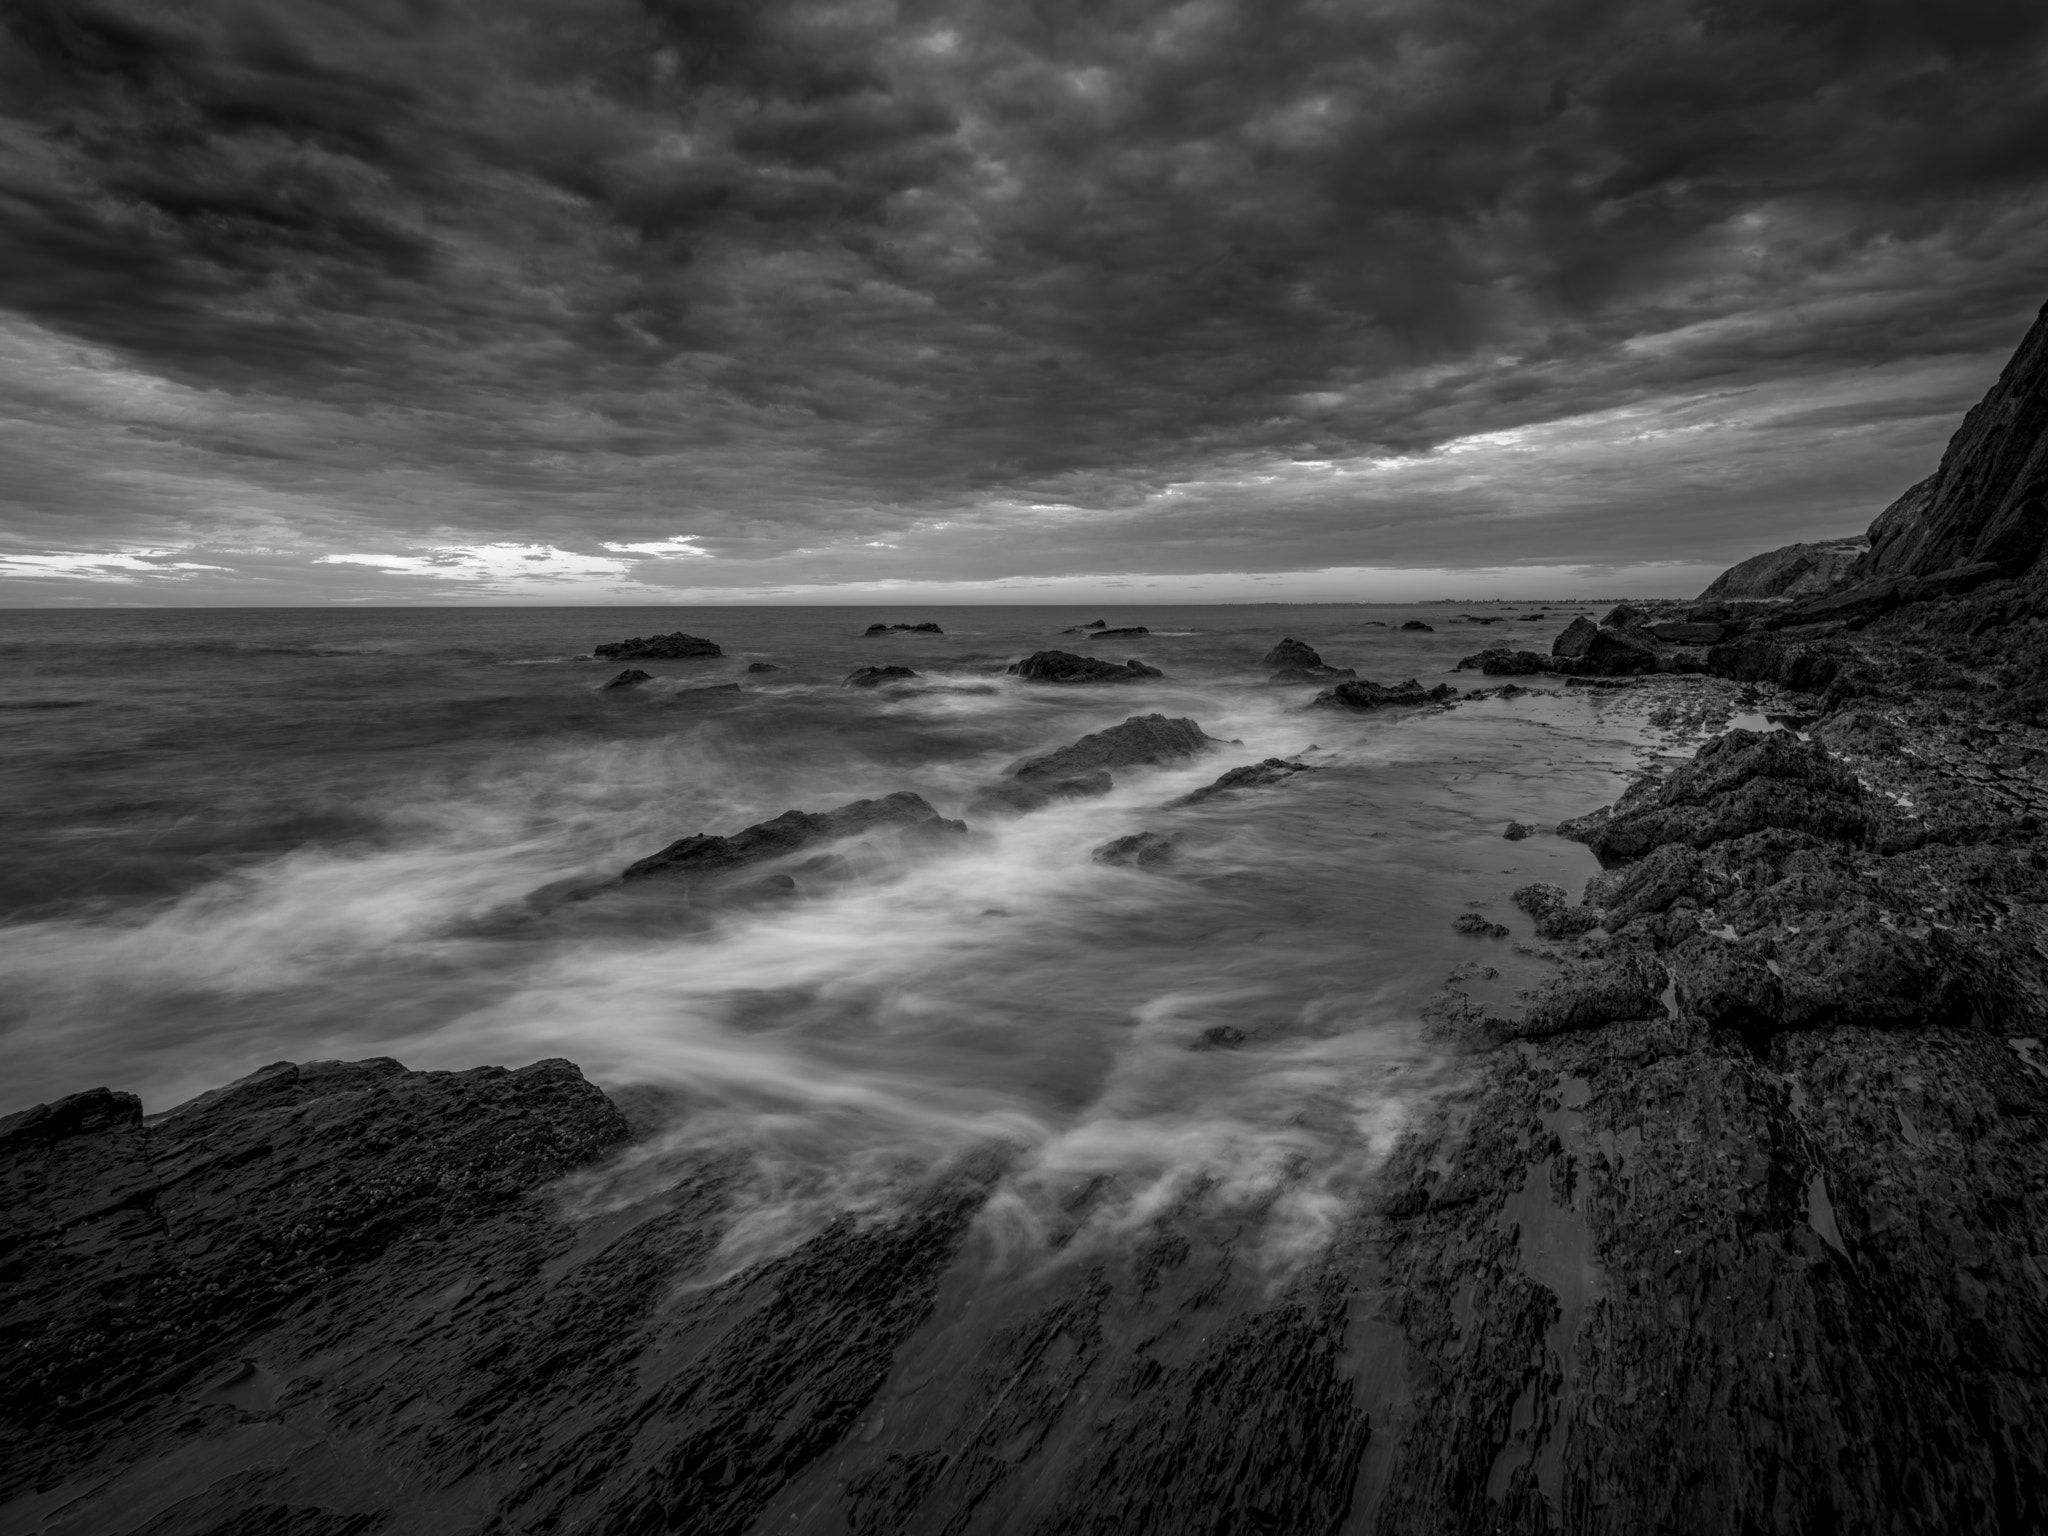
point(623, 299)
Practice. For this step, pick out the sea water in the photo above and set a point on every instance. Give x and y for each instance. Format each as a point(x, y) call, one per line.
point(243, 836)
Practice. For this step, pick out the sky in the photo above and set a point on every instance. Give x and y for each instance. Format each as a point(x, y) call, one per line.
point(697, 301)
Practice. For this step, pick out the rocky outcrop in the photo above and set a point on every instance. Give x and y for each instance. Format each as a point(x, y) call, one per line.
point(1796, 570)
point(1417, 624)
point(1082, 769)
point(1273, 770)
point(1067, 668)
point(878, 677)
point(1142, 741)
point(632, 677)
point(675, 647)
point(1134, 629)
point(1140, 850)
point(1369, 695)
point(926, 628)
point(705, 854)
point(1291, 653)
point(1082, 629)
point(1300, 665)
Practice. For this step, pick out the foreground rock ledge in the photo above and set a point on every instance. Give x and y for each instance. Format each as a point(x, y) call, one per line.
point(1631, 1279)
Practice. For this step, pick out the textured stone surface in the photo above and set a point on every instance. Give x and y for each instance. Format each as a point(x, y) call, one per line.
point(792, 832)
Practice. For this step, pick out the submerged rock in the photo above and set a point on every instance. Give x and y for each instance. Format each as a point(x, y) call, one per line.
point(1250, 776)
point(1368, 695)
point(877, 677)
point(1082, 629)
point(1025, 795)
point(763, 666)
point(675, 647)
point(791, 832)
point(1142, 741)
point(926, 628)
point(1418, 624)
point(1473, 923)
point(1517, 830)
point(1065, 667)
point(1140, 850)
point(632, 677)
point(1136, 629)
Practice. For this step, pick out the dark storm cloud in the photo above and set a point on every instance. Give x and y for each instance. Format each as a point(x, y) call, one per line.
point(797, 276)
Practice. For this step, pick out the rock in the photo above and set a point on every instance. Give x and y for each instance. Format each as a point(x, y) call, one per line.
point(1682, 633)
point(1291, 653)
point(877, 677)
point(1517, 830)
point(695, 693)
point(1576, 639)
point(1251, 776)
point(705, 854)
point(1142, 741)
point(1554, 913)
point(1065, 667)
point(1104, 634)
point(1502, 662)
point(763, 666)
point(675, 647)
point(632, 677)
point(1796, 570)
point(926, 628)
point(1622, 616)
point(1473, 923)
point(1738, 783)
point(1082, 629)
point(1418, 624)
point(1803, 668)
point(1595, 992)
point(1021, 796)
point(1289, 677)
point(1141, 850)
point(1369, 695)
point(1614, 653)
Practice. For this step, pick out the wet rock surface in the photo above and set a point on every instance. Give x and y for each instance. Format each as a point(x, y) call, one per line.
point(926, 628)
point(1140, 850)
point(879, 677)
point(1066, 667)
point(1142, 741)
point(672, 647)
point(1369, 695)
point(706, 854)
point(632, 677)
point(1272, 770)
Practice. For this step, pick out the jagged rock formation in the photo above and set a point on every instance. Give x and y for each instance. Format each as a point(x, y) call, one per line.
point(674, 647)
point(1082, 768)
point(1369, 695)
point(1272, 770)
point(878, 677)
point(1796, 570)
point(1140, 850)
point(632, 677)
point(792, 832)
point(1066, 667)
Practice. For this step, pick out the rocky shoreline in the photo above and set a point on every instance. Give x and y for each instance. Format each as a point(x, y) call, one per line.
point(1738, 1223)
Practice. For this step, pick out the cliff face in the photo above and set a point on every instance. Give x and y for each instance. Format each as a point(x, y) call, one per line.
point(1988, 502)
point(1797, 570)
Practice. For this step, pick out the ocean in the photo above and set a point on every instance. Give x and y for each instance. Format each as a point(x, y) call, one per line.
point(243, 836)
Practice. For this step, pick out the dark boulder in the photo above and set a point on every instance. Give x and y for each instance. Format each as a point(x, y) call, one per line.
point(878, 677)
point(1592, 993)
point(1502, 662)
point(1082, 629)
point(1142, 741)
point(912, 629)
point(632, 677)
point(1617, 653)
point(1369, 695)
point(675, 647)
point(1622, 616)
point(1273, 770)
point(1419, 625)
point(1517, 830)
point(1135, 629)
point(1576, 638)
point(1479, 927)
point(1065, 667)
point(1219, 1037)
point(1291, 653)
point(792, 832)
point(1141, 850)
point(1738, 783)
point(762, 666)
